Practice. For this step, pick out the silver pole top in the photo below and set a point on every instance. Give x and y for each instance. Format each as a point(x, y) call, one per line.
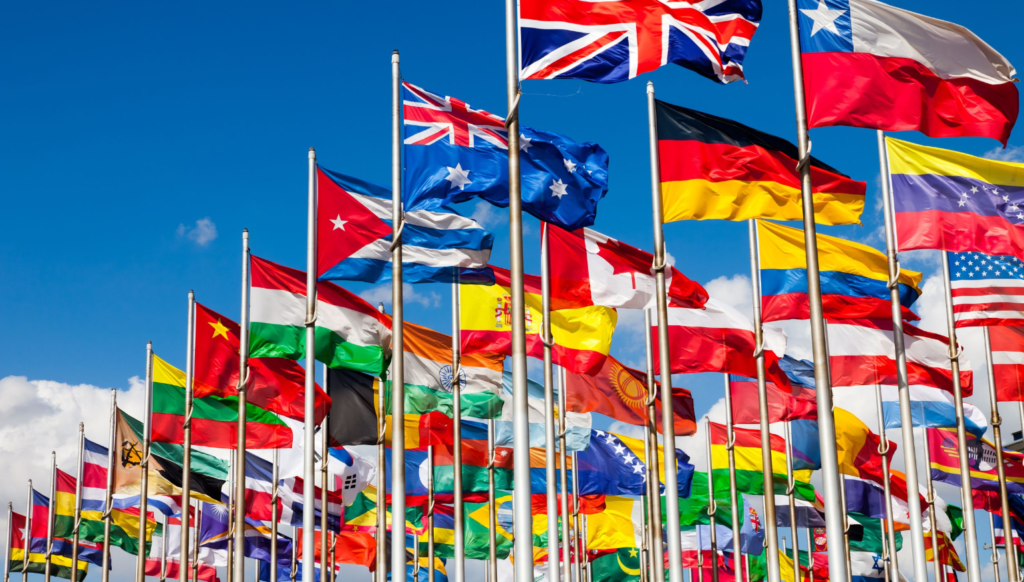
point(650, 87)
point(191, 293)
point(312, 153)
point(81, 427)
point(245, 233)
point(380, 307)
point(394, 56)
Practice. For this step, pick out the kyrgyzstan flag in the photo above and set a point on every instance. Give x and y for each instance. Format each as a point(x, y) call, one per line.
point(275, 384)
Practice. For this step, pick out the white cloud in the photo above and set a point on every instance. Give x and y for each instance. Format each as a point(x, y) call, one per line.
point(488, 215)
point(202, 234)
point(733, 291)
point(410, 295)
point(1009, 154)
point(625, 429)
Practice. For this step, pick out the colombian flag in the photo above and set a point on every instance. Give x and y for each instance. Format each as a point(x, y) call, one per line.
point(582, 335)
point(854, 277)
point(713, 167)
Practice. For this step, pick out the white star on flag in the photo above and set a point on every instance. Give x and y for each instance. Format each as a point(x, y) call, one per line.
point(823, 17)
point(338, 223)
point(569, 165)
point(524, 143)
point(458, 177)
point(558, 188)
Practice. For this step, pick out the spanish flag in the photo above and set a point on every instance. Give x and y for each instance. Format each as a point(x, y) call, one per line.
point(582, 335)
point(712, 167)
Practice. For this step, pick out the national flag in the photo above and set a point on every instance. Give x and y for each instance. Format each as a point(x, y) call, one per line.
point(350, 333)
point(622, 565)
point(616, 41)
point(987, 290)
point(474, 470)
point(290, 505)
point(954, 202)
point(43, 540)
point(354, 475)
point(275, 384)
point(621, 393)
point(208, 473)
point(807, 515)
point(854, 277)
point(867, 536)
point(582, 334)
point(712, 167)
point(214, 420)
point(929, 407)
point(204, 572)
point(620, 525)
point(868, 566)
point(453, 153)
point(614, 465)
point(477, 530)
point(589, 268)
point(361, 515)
point(354, 235)
point(577, 424)
point(783, 405)
point(94, 494)
point(257, 536)
point(169, 543)
point(693, 509)
point(18, 535)
point(259, 487)
point(750, 465)
point(947, 552)
point(124, 526)
point(1000, 534)
point(718, 338)
point(355, 548)
point(1008, 362)
point(868, 64)
point(981, 458)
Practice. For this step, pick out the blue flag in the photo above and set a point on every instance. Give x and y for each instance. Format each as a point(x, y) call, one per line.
point(454, 153)
point(613, 466)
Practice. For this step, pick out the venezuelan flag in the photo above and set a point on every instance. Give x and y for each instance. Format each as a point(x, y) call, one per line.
point(854, 277)
point(712, 167)
point(954, 202)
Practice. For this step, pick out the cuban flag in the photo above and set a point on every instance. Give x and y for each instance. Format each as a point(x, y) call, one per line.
point(868, 64)
point(354, 234)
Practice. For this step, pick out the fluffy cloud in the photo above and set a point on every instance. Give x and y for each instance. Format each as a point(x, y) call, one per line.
point(202, 234)
point(410, 295)
point(1009, 154)
point(488, 215)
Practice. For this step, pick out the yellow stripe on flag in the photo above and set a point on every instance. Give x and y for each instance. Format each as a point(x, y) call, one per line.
point(749, 459)
point(738, 200)
point(164, 373)
point(913, 159)
point(620, 525)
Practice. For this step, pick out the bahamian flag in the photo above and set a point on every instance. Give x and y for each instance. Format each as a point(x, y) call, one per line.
point(454, 153)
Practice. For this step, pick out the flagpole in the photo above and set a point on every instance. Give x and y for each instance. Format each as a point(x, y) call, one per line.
point(995, 546)
point(163, 552)
point(790, 488)
point(430, 515)
point(10, 539)
point(108, 497)
point(902, 381)
point(577, 538)
point(646, 560)
point(147, 428)
point(309, 413)
point(883, 450)
point(492, 508)
point(810, 553)
point(28, 534)
point(712, 506)
point(382, 505)
point(970, 527)
point(1004, 499)
point(243, 380)
point(549, 400)
point(196, 540)
point(459, 517)
point(78, 503)
point(667, 421)
point(653, 471)
point(932, 522)
point(767, 472)
point(295, 559)
point(563, 481)
point(731, 447)
point(273, 517)
point(232, 507)
point(49, 516)
point(324, 486)
point(186, 474)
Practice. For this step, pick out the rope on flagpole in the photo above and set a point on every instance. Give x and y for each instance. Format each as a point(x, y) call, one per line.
point(804, 161)
point(398, 237)
point(513, 114)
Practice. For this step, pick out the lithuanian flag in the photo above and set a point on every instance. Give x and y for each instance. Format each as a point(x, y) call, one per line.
point(582, 335)
point(214, 420)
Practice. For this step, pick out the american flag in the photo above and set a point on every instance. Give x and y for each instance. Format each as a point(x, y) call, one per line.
point(988, 290)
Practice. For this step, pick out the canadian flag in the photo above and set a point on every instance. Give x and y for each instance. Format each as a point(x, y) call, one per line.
point(589, 268)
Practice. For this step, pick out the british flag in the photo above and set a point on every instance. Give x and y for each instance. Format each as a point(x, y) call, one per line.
point(451, 119)
point(608, 41)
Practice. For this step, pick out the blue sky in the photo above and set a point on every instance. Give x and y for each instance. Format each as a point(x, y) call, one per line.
point(139, 139)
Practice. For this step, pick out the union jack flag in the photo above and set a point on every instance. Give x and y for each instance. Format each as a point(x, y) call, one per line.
point(449, 118)
point(608, 41)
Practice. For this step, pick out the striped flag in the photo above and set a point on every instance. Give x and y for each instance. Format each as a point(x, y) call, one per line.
point(1008, 362)
point(988, 290)
point(290, 505)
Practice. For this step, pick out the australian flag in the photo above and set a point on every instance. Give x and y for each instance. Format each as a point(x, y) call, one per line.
point(455, 153)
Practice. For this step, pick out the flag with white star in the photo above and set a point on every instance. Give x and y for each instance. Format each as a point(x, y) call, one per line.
point(988, 290)
point(614, 465)
point(453, 153)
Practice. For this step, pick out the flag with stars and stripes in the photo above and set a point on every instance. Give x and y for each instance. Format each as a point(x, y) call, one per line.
point(988, 290)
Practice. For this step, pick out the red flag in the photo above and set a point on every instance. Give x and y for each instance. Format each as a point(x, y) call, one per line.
point(1008, 362)
point(782, 405)
point(349, 548)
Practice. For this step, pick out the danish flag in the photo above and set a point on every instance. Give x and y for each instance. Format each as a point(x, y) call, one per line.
point(449, 118)
point(608, 41)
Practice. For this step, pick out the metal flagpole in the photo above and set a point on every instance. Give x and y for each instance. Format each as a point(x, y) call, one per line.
point(563, 480)
point(731, 447)
point(577, 535)
point(10, 539)
point(28, 534)
point(295, 559)
point(78, 503)
point(309, 413)
point(163, 551)
point(147, 428)
point(790, 488)
point(653, 469)
point(430, 515)
point(970, 527)
point(1004, 499)
point(195, 541)
point(108, 497)
point(712, 506)
point(810, 553)
point(931, 501)
point(668, 422)
point(700, 559)
point(492, 508)
point(886, 551)
point(459, 508)
point(273, 516)
point(186, 473)
point(323, 495)
point(520, 403)
point(334, 542)
point(822, 380)
point(767, 472)
point(49, 516)
point(549, 402)
point(243, 379)
point(382, 502)
point(232, 506)
point(650, 489)
point(397, 337)
point(902, 381)
point(883, 450)
point(995, 547)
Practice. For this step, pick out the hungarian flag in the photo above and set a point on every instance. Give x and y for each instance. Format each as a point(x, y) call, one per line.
point(214, 420)
point(275, 384)
point(589, 268)
point(621, 393)
point(582, 333)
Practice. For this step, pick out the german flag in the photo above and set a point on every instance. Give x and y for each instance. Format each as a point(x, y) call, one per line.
point(712, 167)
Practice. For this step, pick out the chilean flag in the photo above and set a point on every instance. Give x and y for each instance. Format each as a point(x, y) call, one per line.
point(868, 64)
